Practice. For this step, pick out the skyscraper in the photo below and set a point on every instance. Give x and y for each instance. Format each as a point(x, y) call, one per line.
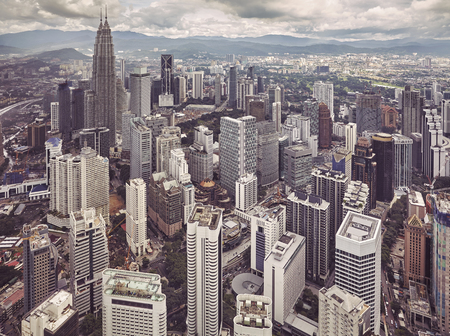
point(54, 116)
point(217, 93)
point(324, 93)
point(311, 110)
point(274, 97)
point(140, 88)
point(433, 151)
point(412, 105)
point(356, 198)
point(402, 162)
point(276, 116)
point(232, 88)
point(364, 168)
point(267, 153)
point(141, 150)
point(253, 315)
point(325, 126)
point(97, 139)
point(383, 148)
point(445, 113)
point(358, 261)
point(201, 155)
point(167, 74)
point(78, 109)
point(204, 269)
point(89, 257)
point(246, 192)
point(136, 214)
point(141, 294)
point(169, 139)
point(104, 81)
point(65, 110)
point(261, 84)
point(122, 71)
point(238, 141)
point(40, 259)
point(350, 137)
point(297, 167)
point(197, 85)
point(156, 123)
point(368, 111)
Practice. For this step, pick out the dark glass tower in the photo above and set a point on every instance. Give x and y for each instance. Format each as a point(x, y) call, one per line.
point(364, 168)
point(232, 90)
point(78, 109)
point(167, 74)
point(383, 147)
point(65, 110)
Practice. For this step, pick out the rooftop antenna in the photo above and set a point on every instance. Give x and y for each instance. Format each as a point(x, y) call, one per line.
point(106, 12)
point(100, 14)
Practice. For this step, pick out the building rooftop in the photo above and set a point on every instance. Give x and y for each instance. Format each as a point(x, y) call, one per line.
point(265, 213)
point(351, 303)
point(336, 175)
point(85, 217)
point(37, 238)
point(358, 227)
point(416, 198)
point(299, 149)
point(285, 249)
point(246, 283)
point(206, 215)
point(419, 302)
point(253, 311)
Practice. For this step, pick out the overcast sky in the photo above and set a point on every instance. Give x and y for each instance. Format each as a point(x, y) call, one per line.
point(335, 19)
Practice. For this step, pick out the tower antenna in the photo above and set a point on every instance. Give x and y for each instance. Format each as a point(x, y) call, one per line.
point(100, 14)
point(106, 12)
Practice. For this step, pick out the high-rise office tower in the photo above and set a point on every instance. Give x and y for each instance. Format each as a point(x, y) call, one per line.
point(232, 88)
point(412, 105)
point(325, 126)
point(257, 109)
point(122, 70)
point(276, 115)
point(402, 162)
point(342, 313)
point(356, 198)
point(383, 148)
point(284, 278)
point(229, 58)
point(274, 97)
point(121, 103)
point(201, 155)
point(54, 116)
point(169, 139)
point(165, 203)
point(53, 317)
point(53, 148)
point(309, 216)
point(368, 111)
point(156, 123)
point(37, 133)
point(136, 214)
point(445, 113)
point(238, 141)
point(245, 88)
point(311, 110)
point(342, 161)
point(178, 169)
point(167, 74)
point(324, 93)
point(217, 93)
point(440, 206)
point(197, 85)
point(104, 81)
point(297, 127)
point(141, 150)
point(77, 109)
point(331, 186)
point(250, 72)
point(261, 84)
point(433, 152)
point(358, 261)
point(156, 91)
point(267, 153)
point(140, 293)
point(253, 315)
point(40, 259)
point(246, 192)
point(97, 139)
point(89, 257)
point(65, 110)
point(140, 89)
point(126, 133)
point(364, 168)
point(350, 137)
point(204, 267)
point(283, 142)
point(297, 167)
point(416, 151)
point(267, 226)
point(179, 93)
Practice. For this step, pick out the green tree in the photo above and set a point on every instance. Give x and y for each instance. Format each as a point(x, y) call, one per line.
point(396, 307)
point(125, 173)
point(7, 273)
point(88, 324)
point(145, 262)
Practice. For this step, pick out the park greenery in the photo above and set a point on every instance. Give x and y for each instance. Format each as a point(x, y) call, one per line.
point(7, 226)
point(8, 273)
point(91, 325)
point(311, 300)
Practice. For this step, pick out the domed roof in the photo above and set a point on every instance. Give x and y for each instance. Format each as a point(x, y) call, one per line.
point(207, 183)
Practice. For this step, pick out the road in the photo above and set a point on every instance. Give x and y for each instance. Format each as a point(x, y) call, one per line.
point(386, 290)
point(229, 255)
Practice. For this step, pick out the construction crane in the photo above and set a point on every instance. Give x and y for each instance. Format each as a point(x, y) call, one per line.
point(115, 227)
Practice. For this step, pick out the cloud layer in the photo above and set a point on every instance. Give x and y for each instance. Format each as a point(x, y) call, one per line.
point(331, 19)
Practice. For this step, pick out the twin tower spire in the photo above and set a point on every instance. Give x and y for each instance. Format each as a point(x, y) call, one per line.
point(106, 13)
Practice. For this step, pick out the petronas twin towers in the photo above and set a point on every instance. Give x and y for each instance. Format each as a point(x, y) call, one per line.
point(101, 100)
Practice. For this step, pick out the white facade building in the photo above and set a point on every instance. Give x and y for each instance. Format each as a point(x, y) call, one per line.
point(136, 216)
point(358, 261)
point(246, 192)
point(350, 137)
point(89, 257)
point(342, 313)
point(253, 315)
point(324, 93)
point(204, 269)
point(402, 162)
point(54, 116)
point(141, 150)
point(356, 198)
point(284, 276)
point(126, 130)
point(197, 85)
point(201, 155)
point(276, 115)
point(140, 89)
point(133, 304)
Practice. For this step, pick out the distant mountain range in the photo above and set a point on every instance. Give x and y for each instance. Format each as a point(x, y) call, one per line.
point(127, 43)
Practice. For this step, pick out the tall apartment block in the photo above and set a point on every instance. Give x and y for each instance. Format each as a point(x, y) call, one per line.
point(267, 226)
point(297, 167)
point(54, 116)
point(284, 278)
point(238, 142)
point(178, 169)
point(136, 215)
point(309, 216)
point(53, 317)
point(232, 88)
point(383, 148)
point(121, 103)
point(342, 313)
point(368, 111)
point(440, 206)
point(412, 104)
point(324, 93)
point(356, 198)
point(89, 257)
point(267, 153)
point(364, 168)
point(244, 89)
point(40, 259)
point(246, 192)
point(274, 97)
point(325, 126)
point(156, 123)
point(140, 87)
point(197, 85)
point(445, 113)
point(358, 261)
point(331, 186)
point(53, 148)
point(201, 155)
point(402, 162)
point(133, 302)
point(217, 90)
point(276, 115)
point(417, 252)
point(126, 134)
point(311, 110)
point(169, 139)
point(253, 315)
point(204, 269)
point(433, 152)
point(350, 137)
point(97, 139)
point(417, 152)
point(140, 150)
point(297, 127)
point(165, 204)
